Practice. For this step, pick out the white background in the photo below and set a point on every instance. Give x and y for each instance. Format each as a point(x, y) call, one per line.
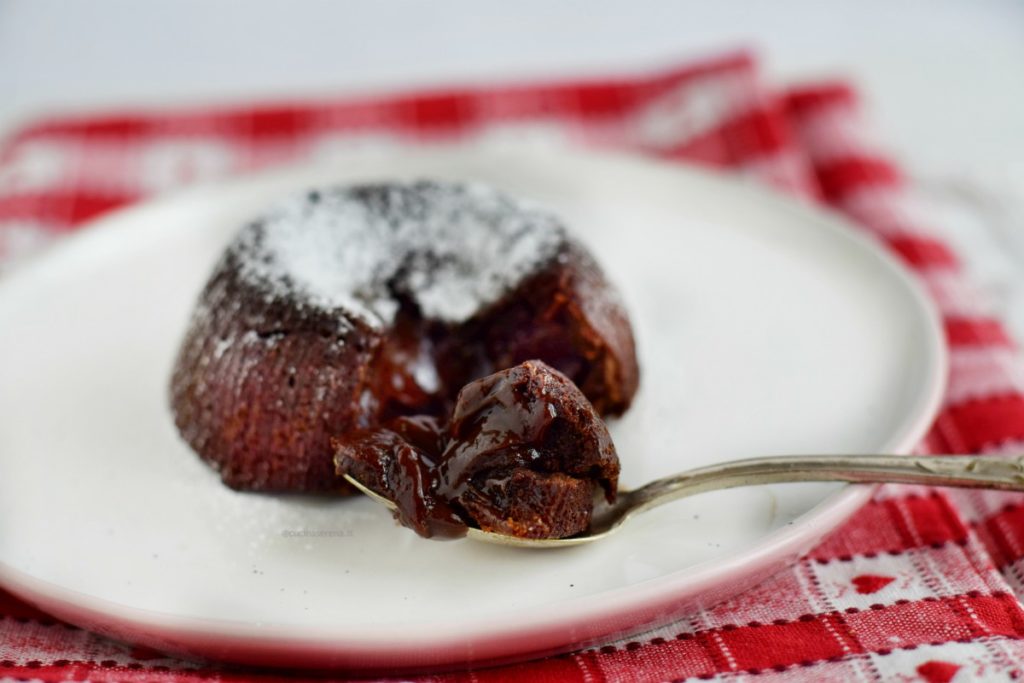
point(945, 77)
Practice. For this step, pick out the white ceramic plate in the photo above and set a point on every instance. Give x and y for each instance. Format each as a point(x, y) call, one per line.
point(764, 327)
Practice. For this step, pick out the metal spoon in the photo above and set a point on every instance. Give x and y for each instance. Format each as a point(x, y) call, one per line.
point(977, 472)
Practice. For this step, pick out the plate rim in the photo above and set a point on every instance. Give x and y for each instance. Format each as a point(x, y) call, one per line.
point(616, 605)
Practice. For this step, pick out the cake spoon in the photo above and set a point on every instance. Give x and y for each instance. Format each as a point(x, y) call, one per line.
point(962, 471)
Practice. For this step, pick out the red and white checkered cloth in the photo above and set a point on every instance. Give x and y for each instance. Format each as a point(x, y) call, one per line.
point(919, 585)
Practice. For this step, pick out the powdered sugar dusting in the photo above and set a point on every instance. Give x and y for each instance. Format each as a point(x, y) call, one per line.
point(449, 248)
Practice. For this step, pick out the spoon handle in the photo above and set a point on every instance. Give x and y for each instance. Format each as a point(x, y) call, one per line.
point(1005, 473)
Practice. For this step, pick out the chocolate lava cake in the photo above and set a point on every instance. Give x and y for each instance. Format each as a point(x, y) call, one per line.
point(357, 308)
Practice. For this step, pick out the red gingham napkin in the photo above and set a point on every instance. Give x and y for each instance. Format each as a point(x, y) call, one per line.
point(918, 585)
